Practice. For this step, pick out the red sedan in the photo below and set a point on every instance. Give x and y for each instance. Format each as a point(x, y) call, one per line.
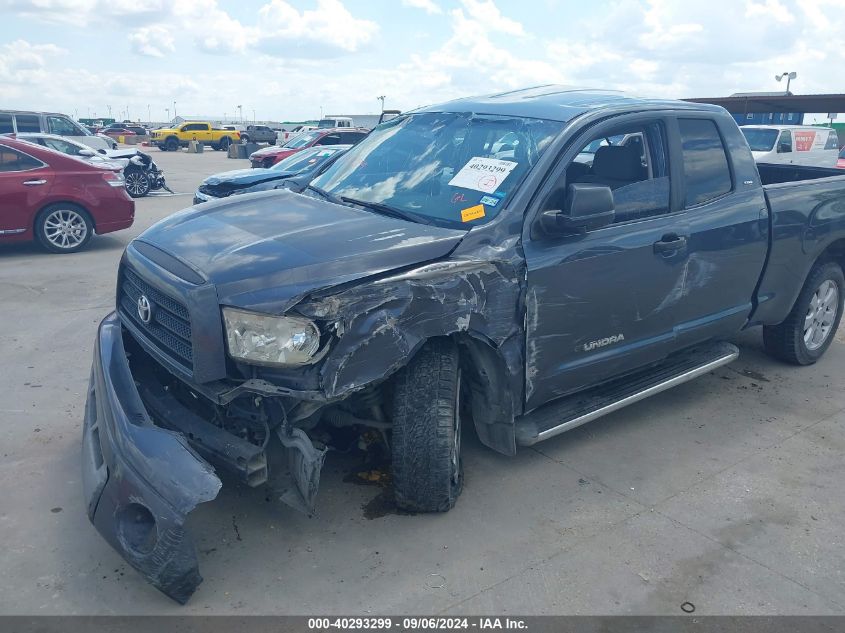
point(58, 200)
point(269, 156)
point(840, 162)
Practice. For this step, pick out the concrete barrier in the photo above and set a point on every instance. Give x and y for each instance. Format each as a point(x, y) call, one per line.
point(195, 147)
point(250, 148)
point(237, 151)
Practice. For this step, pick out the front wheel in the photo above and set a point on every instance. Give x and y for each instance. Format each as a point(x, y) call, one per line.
point(63, 228)
point(171, 145)
point(137, 183)
point(811, 326)
point(426, 443)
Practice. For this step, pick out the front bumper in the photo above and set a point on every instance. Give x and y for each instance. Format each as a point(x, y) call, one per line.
point(140, 481)
point(200, 197)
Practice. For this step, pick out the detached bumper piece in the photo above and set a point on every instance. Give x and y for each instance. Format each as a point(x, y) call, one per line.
point(144, 465)
point(140, 481)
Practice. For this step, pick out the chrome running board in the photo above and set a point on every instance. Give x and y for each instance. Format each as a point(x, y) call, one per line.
point(573, 411)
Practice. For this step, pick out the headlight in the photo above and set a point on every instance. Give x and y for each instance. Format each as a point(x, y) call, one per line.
point(264, 339)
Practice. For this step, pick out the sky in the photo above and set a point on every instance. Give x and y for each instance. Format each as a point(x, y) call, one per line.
point(295, 59)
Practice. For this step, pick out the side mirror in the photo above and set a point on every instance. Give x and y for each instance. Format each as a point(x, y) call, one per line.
point(87, 152)
point(587, 207)
point(784, 148)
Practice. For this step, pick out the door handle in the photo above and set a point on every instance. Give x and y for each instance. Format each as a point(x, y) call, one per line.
point(669, 243)
point(32, 183)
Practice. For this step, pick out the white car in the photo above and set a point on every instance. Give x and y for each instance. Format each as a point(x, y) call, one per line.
point(792, 144)
point(72, 147)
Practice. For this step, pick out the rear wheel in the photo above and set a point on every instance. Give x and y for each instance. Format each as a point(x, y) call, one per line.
point(811, 326)
point(63, 228)
point(224, 143)
point(426, 443)
point(137, 183)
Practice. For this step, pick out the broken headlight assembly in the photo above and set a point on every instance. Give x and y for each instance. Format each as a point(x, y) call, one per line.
point(265, 339)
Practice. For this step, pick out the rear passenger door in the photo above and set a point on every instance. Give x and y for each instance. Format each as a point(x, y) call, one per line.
point(726, 220)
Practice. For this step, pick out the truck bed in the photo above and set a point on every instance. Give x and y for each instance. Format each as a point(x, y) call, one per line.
point(772, 174)
point(806, 207)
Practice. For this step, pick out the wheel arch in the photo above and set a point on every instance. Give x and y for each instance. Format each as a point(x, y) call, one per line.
point(833, 252)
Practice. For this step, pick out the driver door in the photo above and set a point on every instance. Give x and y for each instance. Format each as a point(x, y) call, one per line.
point(602, 303)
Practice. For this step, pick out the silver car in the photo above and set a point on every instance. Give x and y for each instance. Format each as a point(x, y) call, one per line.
point(28, 122)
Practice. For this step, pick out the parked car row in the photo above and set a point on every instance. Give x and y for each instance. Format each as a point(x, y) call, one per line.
point(294, 173)
point(269, 156)
point(57, 199)
point(21, 121)
point(140, 173)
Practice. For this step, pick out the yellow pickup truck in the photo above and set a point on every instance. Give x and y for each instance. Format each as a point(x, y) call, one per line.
point(171, 139)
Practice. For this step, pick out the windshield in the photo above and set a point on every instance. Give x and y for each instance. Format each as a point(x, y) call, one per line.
point(304, 160)
point(443, 167)
point(327, 123)
point(301, 141)
point(760, 139)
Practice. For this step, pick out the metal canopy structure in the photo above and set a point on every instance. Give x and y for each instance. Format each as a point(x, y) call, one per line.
point(747, 104)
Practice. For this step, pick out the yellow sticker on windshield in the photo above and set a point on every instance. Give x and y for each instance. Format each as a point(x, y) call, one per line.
point(472, 213)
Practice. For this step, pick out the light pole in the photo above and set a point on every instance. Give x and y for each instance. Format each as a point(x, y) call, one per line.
point(167, 111)
point(789, 77)
point(253, 116)
point(109, 107)
point(241, 113)
point(381, 98)
point(149, 114)
point(174, 109)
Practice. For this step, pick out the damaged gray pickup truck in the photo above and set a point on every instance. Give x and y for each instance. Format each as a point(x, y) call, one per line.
point(522, 263)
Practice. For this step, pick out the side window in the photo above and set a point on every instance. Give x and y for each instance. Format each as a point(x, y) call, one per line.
point(832, 139)
point(350, 138)
point(61, 126)
point(784, 142)
point(329, 139)
point(12, 160)
point(27, 123)
point(706, 172)
point(632, 162)
point(61, 146)
point(6, 124)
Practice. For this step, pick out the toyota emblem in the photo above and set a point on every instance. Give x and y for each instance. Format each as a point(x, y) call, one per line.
point(145, 309)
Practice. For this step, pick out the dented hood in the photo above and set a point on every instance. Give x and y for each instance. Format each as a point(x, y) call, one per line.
point(263, 251)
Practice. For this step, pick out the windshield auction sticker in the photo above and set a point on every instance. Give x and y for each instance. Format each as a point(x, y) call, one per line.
point(482, 174)
point(472, 213)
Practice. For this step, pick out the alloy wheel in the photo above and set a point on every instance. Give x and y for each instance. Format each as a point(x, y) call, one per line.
point(821, 315)
point(65, 229)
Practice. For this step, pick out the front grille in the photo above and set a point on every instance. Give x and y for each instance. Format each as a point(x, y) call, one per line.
point(170, 325)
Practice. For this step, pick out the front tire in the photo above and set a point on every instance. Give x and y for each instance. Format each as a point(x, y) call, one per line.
point(137, 183)
point(171, 145)
point(426, 443)
point(811, 326)
point(63, 228)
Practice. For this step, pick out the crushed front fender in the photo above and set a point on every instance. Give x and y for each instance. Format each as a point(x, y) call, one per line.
point(140, 481)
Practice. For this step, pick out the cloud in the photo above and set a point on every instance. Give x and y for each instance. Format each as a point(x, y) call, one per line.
point(276, 54)
point(152, 41)
point(328, 30)
point(23, 63)
point(487, 14)
point(426, 5)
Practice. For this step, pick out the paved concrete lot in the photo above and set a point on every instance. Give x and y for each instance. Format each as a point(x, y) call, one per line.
point(725, 492)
